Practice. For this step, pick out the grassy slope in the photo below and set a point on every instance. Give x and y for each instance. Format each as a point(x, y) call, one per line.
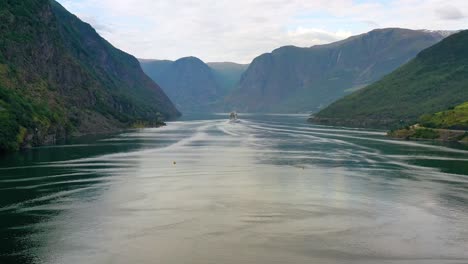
point(456, 118)
point(435, 80)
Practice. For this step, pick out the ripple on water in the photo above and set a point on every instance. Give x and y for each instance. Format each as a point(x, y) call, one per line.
point(264, 190)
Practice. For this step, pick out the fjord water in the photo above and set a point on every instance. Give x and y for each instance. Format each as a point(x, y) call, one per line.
point(268, 189)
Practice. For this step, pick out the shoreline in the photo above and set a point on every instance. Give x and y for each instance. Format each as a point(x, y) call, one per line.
point(417, 132)
point(54, 140)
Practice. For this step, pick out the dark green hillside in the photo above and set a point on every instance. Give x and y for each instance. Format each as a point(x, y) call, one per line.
point(58, 77)
point(435, 80)
point(131, 90)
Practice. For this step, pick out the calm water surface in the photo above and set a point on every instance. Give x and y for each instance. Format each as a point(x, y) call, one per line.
point(269, 189)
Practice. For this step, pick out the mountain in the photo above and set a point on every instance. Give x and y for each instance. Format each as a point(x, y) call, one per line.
point(189, 82)
point(436, 80)
point(155, 68)
point(292, 79)
point(59, 77)
point(193, 85)
point(227, 74)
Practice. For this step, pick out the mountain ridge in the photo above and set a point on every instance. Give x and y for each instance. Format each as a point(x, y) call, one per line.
point(303, 79)
point(435, 80)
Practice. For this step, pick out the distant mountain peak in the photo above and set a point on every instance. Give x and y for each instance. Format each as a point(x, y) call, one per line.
point(192, 59)
point(443, 33)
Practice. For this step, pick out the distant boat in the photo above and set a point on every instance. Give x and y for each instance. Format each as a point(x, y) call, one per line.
point(233, 117)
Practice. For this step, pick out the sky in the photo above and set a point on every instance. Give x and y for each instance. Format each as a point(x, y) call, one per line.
point(240, 30)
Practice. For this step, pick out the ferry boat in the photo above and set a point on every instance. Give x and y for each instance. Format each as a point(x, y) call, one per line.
point(233, 117)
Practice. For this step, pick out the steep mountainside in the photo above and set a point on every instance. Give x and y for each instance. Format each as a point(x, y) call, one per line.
point(435, 80)
point(189, 82)
point(58, 76)
point(227, 74)
point(155, 68)
point(292, 79)
point(193, 85)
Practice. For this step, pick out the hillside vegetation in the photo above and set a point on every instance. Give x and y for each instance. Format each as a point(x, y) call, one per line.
point(59, 77)
point(455, 118)
point(434, 81)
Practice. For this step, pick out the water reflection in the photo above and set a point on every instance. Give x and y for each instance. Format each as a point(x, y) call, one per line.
point(270, 189)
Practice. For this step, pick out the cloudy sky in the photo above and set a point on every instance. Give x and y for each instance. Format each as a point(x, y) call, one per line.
point(239, 30)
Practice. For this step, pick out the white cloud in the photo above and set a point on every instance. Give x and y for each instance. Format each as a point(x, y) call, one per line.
point(303, 36)
point(226, 30)
point(450, 12)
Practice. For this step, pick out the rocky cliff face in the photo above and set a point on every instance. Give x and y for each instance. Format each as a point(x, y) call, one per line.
point(292, 79)
point(58, 76)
